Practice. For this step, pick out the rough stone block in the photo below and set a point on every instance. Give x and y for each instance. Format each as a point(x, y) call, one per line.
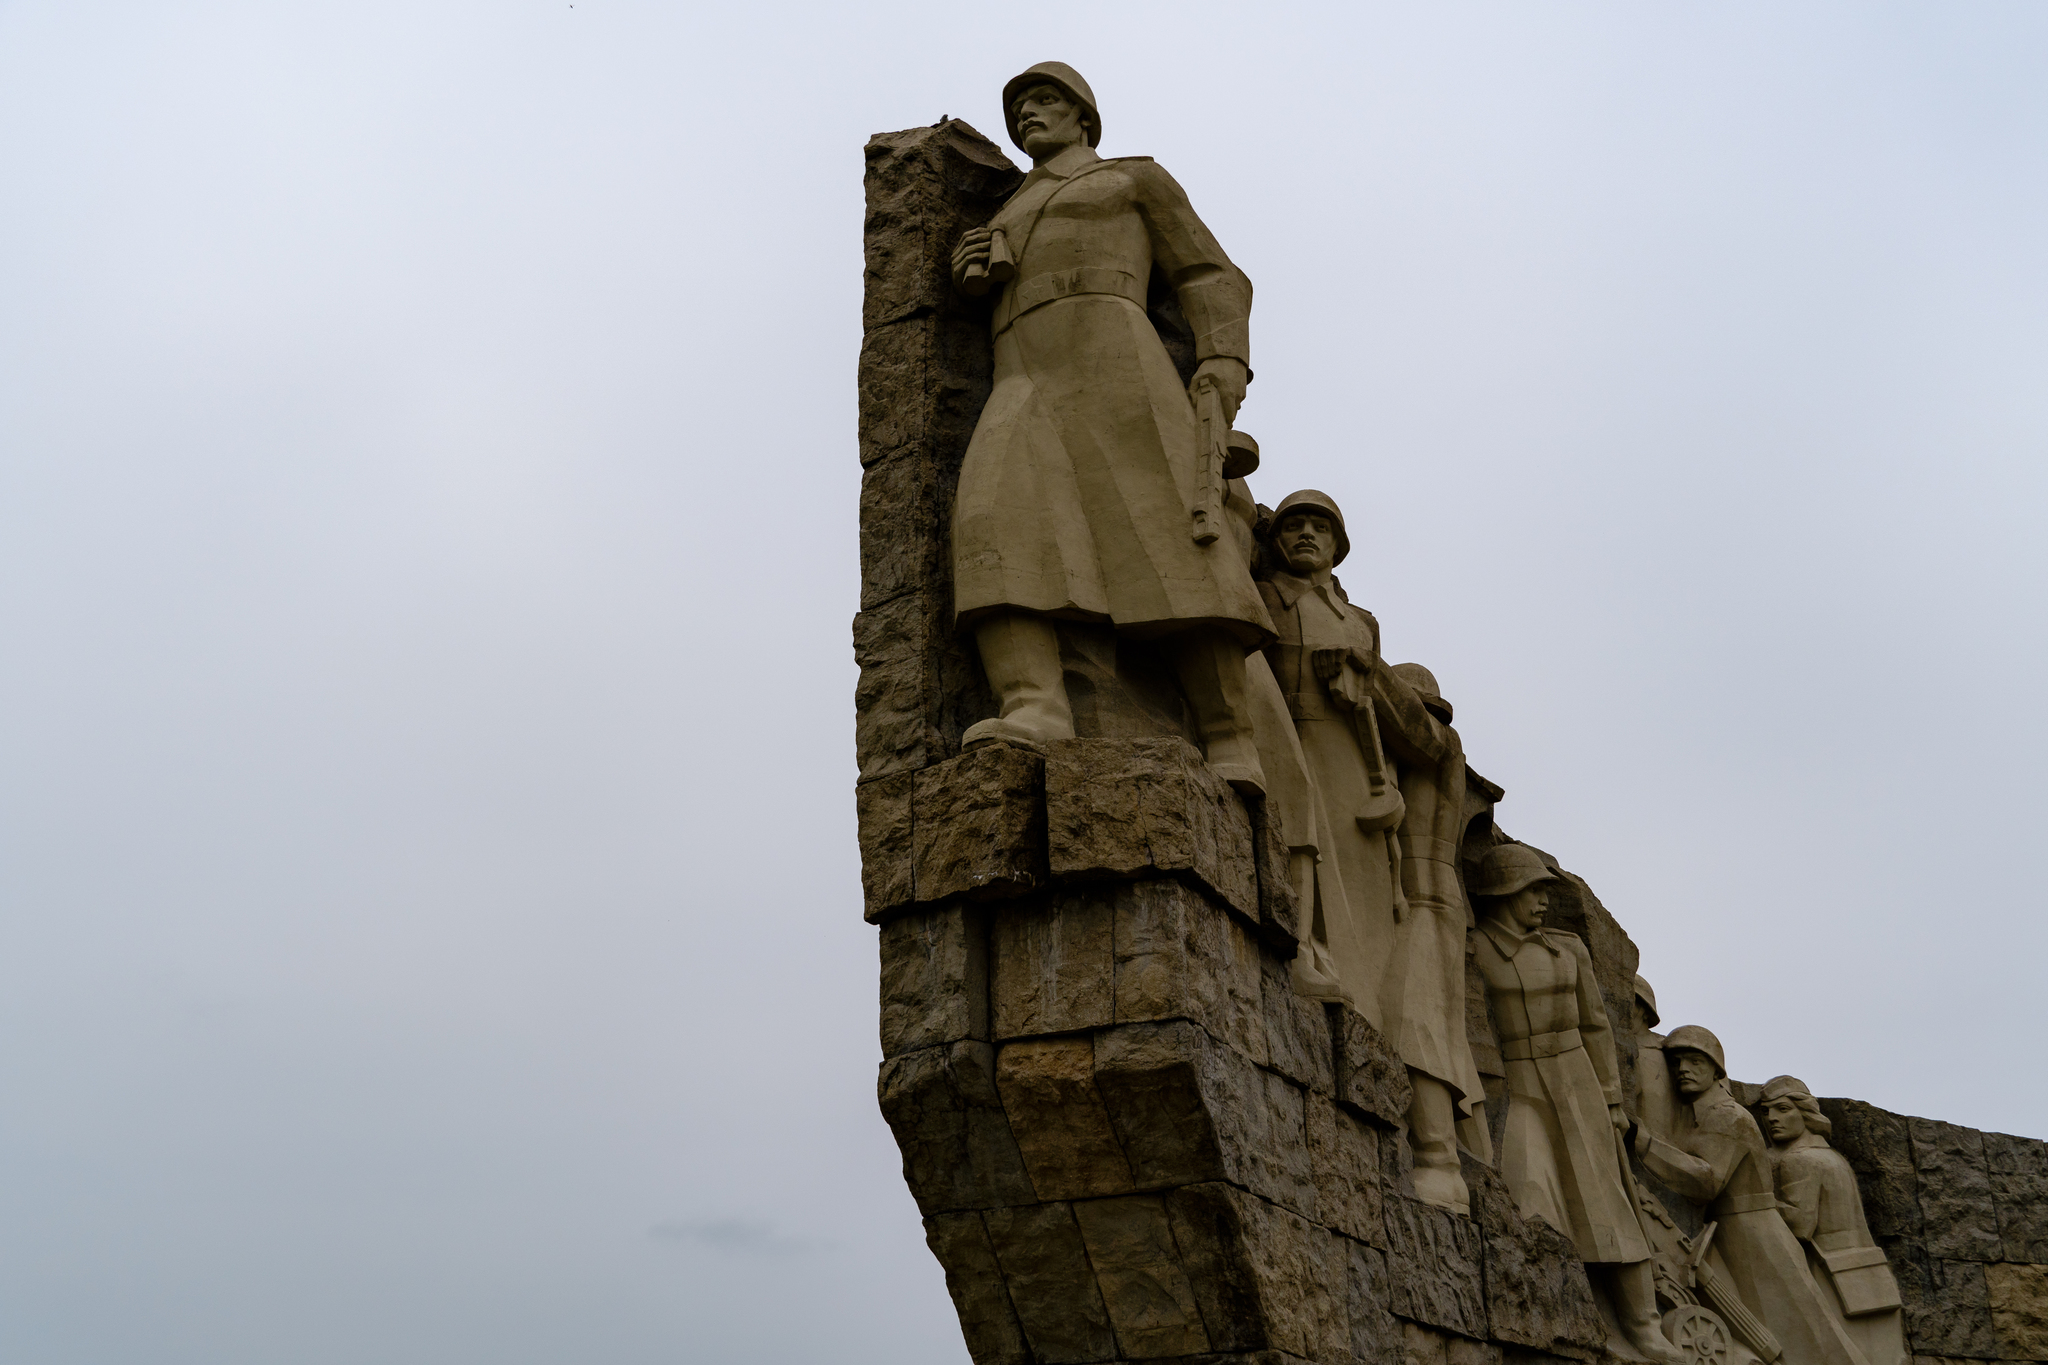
point(958, 1153)
point(1279, 916)
point(1188, 1109)
point(1141, 807)
point(2019, 1186)
point(882, 815)
point(1536, 1290)
point(1179, 956)
point(892, 729)
point(1266, 1278)
point(934, 979)
point(1879, 1149)
point(1459, 1351)
point(1375, 1331)
point(1062, 1128)
point(975, 1281)
point(1370, 1075)
point(2019, 1310)
point(1052, 964)
point(977, 826)
point(1959, 1216)
point(1297, 1030)
point(1171, 1092)
point(1344, 1158)
point(1052, 1286)
point(1948, 1308)
point(924, 187)
point(1433, 1267)
point(902, 527)
point(1151, 1303)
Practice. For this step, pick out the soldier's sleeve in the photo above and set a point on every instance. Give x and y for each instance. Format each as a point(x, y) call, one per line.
point(1594, 1030)
point(1215, 296)
point(1692, 1175)
point(1404, 714)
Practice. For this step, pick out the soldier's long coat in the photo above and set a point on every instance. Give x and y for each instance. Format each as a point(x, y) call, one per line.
point(1076, 489)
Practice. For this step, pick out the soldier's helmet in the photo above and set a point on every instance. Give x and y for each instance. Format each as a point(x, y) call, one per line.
point(1648, 998)
point(1314, 500)
point(1507, 868)
point(1424, 683)
point(1051, 73)
point(1693, 1038)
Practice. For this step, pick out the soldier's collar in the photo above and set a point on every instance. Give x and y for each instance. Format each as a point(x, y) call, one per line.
point(1510, 941)
point(1074, 159)
point(1292, 587)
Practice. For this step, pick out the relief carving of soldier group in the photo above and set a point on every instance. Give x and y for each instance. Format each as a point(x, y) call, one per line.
point(1104, 487)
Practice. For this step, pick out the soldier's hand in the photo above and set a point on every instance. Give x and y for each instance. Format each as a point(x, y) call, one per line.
point(1231, 378)
point(1619, 1116)
point(1328, 663)
point(973, 250)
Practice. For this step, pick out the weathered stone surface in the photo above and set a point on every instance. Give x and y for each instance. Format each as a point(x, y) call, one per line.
point(1063, 1131)
point(1948, 1308)
point(2019, 1310)
point(924, 187)
point(1344, 1159)
point(977, 826)
point(1878, 1148)
point(1179, 956)
point(1433, 1267)
point(882, 815)
point(1959, 1215)
point(1171, 1093)
point(1188, 1109)
point(934, 979)
point(958, 1152)
point(987, 1321)
point(902, 527)
point(2019, 1186)
point(891, 728)
point(1265, 1277)
point(1130, 808)
point(1052, 1286)
point(1536, 1290)
point(1279, 916)
point(1052, 964)
point(1151, 1303)
point(1370, 1076)
point(1297, 1030)
point(1375, 1331)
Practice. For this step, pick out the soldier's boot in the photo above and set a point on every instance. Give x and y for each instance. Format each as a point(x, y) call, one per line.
point(1021, 655)
point(1211, 668)
point(1313, 970)
point(1433, 1136)
point(1633, 1292)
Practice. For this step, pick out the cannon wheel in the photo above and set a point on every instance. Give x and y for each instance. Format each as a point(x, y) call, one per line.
point(1699, 1333)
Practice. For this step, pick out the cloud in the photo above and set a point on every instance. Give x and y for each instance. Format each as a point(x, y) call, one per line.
point(733, 1236)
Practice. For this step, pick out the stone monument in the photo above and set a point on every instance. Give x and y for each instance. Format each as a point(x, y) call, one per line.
point(1192, 1044)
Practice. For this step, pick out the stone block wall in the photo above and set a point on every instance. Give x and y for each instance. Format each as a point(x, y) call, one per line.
point(1963, 1217)
point(1128, 1137)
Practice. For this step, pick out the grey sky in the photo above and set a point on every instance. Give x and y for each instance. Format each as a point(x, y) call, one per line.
point(429, 916)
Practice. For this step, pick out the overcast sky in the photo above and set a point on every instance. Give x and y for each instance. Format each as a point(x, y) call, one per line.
point(429, 916)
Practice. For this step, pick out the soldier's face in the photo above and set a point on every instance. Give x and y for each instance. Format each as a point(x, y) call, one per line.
point(1782, 1120)
point(1528, 907)
point(1695, 1072)
point(1047, 120)
point(1308, 543)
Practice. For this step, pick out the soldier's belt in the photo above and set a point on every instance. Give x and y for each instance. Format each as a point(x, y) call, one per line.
point(1540, 1045)
point(1766, 1202)
point(1061, 284)
point(1422, 846)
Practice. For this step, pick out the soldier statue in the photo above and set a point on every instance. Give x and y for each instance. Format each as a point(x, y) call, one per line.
point(1091, 490)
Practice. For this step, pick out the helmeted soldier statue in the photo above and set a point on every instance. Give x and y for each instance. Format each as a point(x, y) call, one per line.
point(1084, 494)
